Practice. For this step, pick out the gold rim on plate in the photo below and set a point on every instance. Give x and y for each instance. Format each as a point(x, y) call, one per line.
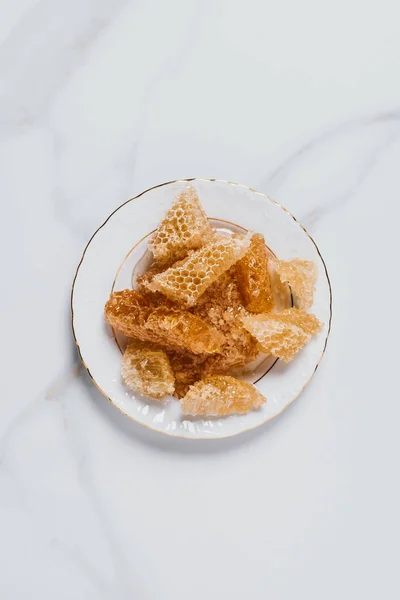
point(187, 181)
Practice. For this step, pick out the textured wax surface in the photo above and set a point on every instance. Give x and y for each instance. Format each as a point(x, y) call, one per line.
point(184, 330)
point(253, 277)
point(220, 395)
point(221, 306)
point(151, 318)
point(282, 334)
point(184, 227)
point(187, 369)
point(301, 275)
point(188, 279)
point(127, 312)
point(146, 369)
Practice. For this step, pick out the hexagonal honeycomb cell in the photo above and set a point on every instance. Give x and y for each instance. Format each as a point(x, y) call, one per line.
point(253, 277)
point(185, 331)
point(282, 334)
point(147, 370)
point(218, 396)
point(188, 279)
point(185, 227)
point(301, 275)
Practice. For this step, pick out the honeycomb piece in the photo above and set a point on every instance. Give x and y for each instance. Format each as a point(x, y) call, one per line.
point(301, 275)
point(184, 227)
point(185, 331)
point(127, 312)
point(253, 277)
point(146, 369)
point(188, 279)
point(187, 369)
point(281, 292)
point(282, 334)
point(220, 395)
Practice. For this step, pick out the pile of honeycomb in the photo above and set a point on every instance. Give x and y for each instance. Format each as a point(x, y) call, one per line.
point(209, 303)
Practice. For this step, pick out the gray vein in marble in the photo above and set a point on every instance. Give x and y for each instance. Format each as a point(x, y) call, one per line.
point(169, 62)
point(389, 127)
point(52, 61)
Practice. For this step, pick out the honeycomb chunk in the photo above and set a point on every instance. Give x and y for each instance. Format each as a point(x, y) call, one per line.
point(146, 369)
point(188, 279)
point(301, 275)
point(184, 330)
point(187, 369)
point(184, 227)
point(152, 318)
point(127, 312)
point(282, 334)
point(219, 395)
point(253, 277)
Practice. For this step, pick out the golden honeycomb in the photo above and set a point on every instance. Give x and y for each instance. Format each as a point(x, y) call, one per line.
point(253, 277)
point(239, 349)
point(282, 334)
point(184, 227)
point(185, 331)
point(188, 279)
point(209, 303)
point(187, 369)
point(301, 275)
point(219, 396)
point(147, 370)
point(221, 306)
point(152, 318)
point(127, 312)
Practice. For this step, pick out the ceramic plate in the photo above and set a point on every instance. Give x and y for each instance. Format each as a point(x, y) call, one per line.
point(116, 253)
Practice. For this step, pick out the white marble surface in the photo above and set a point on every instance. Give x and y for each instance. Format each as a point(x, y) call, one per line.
point(101, 99)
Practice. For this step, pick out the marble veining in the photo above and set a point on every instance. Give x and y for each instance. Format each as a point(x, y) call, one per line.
point(100, 100)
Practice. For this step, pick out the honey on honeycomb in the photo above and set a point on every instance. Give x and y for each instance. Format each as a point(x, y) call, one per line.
point(239, 349)
point(127, 312)
point(282, 334)
point(188, 279)
point(209, 303)
point(220, 395)
point(221, 306)
point(152, 318)
point(145, 278)
point(301, 275)
point(147, 370)
point(184, 227)
point(184, 330)
point(187, 369)
point(253, 277)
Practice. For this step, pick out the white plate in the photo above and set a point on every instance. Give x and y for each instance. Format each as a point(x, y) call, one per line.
point(108, 263)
